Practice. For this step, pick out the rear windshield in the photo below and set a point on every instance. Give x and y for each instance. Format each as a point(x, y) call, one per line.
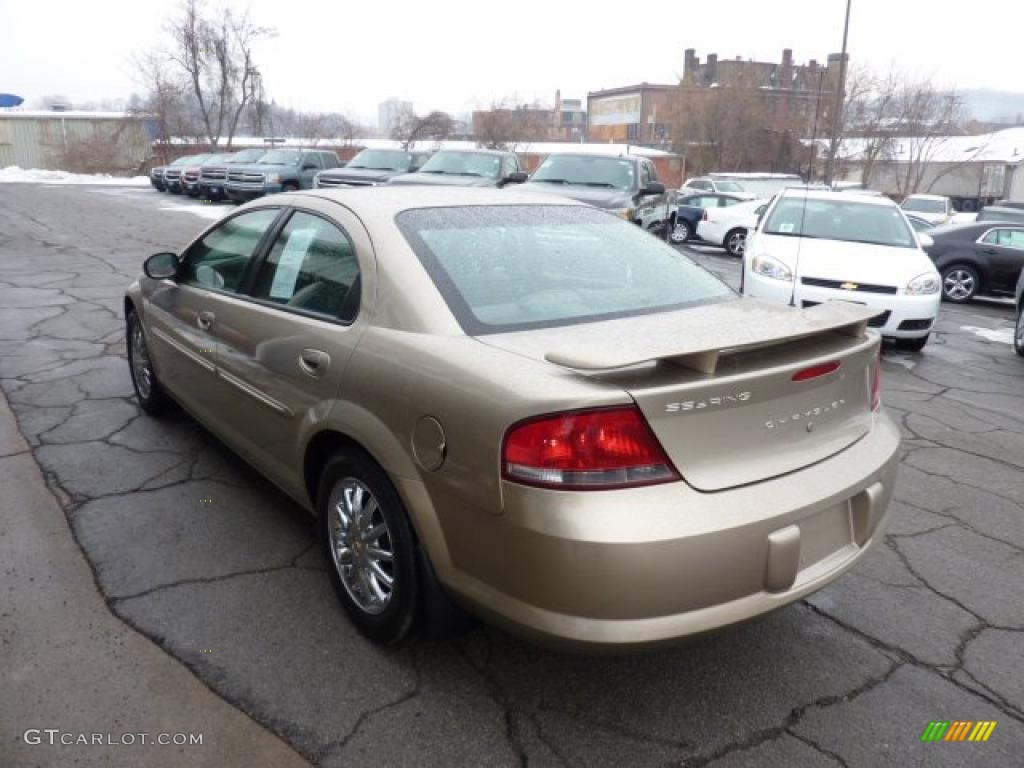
point(730, 186)
point(509, 268)
point(608, 172)
point(1000, 214)
point(845, 220)
point(923, 205)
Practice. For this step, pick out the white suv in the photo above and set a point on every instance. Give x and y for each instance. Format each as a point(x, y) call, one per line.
point(811, 247)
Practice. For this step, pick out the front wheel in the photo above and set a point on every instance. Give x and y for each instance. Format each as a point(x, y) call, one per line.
point(1018, 332)
point(680, 232)
point(148, 391)
point(369, 548)
point(960, 283)
point(736, 242)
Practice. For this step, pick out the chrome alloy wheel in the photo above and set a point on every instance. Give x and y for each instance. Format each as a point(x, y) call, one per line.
point(958, 284)
point(361, 545)
point(737, 243)
point(680, 232)
point(142, 368)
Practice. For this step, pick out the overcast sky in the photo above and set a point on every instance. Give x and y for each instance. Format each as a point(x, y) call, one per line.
point(342, 56)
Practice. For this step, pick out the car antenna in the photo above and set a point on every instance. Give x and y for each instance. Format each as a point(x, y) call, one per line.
point(799, 245)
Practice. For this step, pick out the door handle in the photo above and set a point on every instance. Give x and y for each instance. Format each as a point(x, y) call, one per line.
point(990, 251)
point(204, 320)
point(314, 362)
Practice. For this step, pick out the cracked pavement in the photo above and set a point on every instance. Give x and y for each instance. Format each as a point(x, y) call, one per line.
point(195, 550)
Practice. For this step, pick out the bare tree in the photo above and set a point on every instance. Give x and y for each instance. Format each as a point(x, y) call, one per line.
point(929, 115)
point(871, 114)
point(164, 105)
point(215, 52)
point(410, 127)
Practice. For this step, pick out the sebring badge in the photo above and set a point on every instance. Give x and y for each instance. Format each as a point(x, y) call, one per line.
point(710, 402)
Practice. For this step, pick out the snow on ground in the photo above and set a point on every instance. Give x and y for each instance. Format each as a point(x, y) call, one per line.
point(212, 212)
point(14, 174)
point(1001, 335)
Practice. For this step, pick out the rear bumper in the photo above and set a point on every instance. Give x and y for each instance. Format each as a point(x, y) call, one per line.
point(617, 570)
point(907, 317)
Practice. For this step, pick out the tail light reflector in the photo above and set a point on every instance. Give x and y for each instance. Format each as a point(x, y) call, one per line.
point(817, 370)
point(585, 450)
point(704, 216)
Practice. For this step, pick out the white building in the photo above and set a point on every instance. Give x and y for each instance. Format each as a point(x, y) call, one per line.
point(388, 113)
point(985, 167)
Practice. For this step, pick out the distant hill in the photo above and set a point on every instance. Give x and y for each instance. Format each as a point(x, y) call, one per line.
point(993, 106)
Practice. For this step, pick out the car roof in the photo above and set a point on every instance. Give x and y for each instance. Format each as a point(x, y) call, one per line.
point(925, 197)
point(500, 152)
point(595, 155)
point(828, 194)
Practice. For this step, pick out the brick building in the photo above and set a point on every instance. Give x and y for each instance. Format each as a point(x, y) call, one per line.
point(790, 94)
point(566, 121)
point(639, 114)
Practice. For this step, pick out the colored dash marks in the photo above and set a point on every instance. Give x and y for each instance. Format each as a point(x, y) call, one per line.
point(958, 730)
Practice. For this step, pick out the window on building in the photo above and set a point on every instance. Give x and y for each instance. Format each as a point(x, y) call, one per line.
point(633, 131)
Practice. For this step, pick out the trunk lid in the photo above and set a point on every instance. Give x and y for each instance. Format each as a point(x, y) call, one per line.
point(716, 383)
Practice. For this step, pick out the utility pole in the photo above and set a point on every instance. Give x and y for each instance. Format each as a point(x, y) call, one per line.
point(837, 113)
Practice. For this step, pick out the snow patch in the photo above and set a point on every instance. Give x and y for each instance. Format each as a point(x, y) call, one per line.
point(1000, 335)
point(203, 211)
point(14, 174)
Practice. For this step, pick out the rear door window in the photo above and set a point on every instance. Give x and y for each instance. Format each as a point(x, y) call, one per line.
point(311, 267)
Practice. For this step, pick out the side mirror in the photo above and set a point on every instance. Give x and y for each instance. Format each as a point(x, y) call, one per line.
point(161, 266)
point(925, 240)
point(310, 167)
point(653, 188)
point(516, 177)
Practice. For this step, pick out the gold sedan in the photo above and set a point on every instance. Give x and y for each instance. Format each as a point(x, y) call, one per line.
point(522, 406)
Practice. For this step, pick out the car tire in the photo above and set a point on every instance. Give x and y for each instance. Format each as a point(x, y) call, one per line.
point(356, 499)
point(1018, 332)
point(289, 186)
point(913, 345)
point(151, 396)
point(735, 242)
point(681, 232)
point(960, 283)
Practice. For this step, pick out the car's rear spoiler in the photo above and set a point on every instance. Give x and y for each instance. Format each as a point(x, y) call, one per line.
point(696, 339)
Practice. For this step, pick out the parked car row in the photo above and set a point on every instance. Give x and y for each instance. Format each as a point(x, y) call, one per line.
point(625, 185)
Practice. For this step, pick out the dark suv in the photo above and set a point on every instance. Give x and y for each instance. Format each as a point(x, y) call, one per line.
point(279, 170)
point(371, 167)
point(213, 175)
point(467, 168)
point(626, 185)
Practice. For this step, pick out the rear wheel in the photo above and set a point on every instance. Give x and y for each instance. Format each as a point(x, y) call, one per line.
point(736, 242)
point(681, 232)
point(913, 345)
point(289, 186)
point(960, 283)
point(369, 547)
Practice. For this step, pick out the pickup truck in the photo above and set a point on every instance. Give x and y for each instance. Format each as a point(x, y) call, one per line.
point(213, 175)
point(626, 185)
point(466, 168)
point(371, 167)
point(279, 170)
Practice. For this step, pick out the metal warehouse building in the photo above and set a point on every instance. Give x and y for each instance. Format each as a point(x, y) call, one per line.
point(72, 140)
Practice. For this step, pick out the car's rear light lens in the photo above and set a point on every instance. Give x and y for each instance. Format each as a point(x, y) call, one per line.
point(704, 216)
point(585, 450)
point(876, 383)
point(816, 370)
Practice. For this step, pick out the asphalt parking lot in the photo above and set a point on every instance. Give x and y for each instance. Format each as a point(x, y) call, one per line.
point(217, 567)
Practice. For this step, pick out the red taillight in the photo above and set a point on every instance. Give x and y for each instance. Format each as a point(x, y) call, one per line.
point(816, 370)
point(876, 383)
point(585, 450)
point(704, 216)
